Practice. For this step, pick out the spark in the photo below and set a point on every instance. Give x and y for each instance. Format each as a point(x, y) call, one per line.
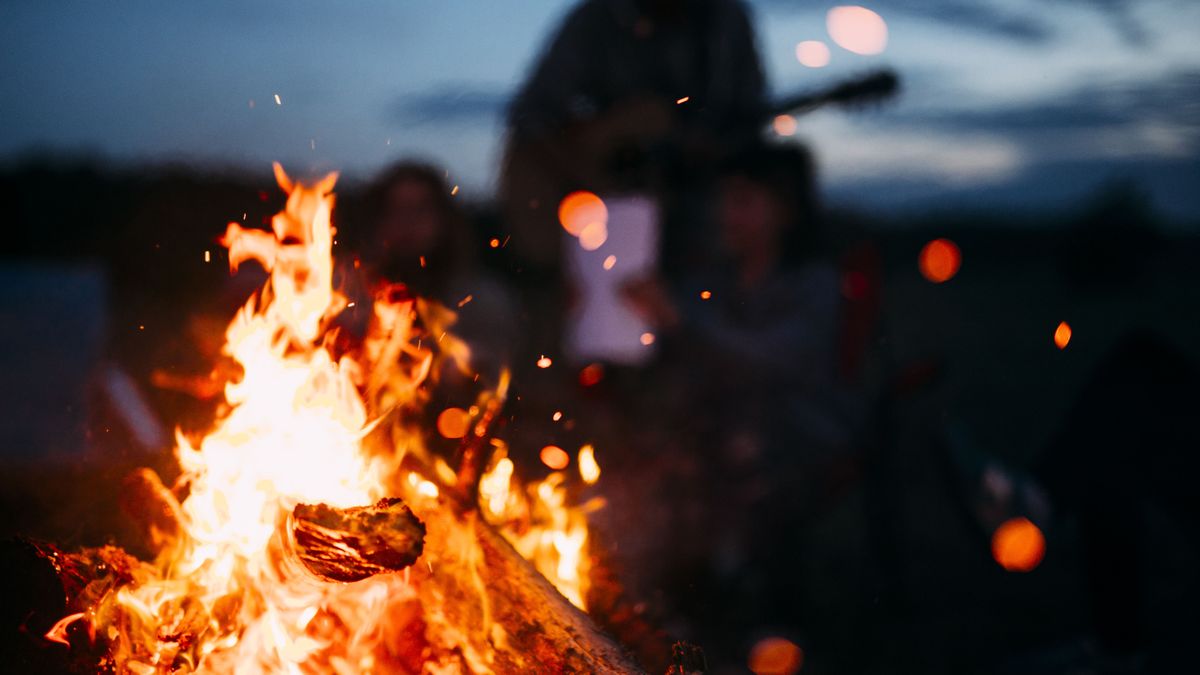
point(207, 256)
point(557, 415)
point(555, 457)
point(454, 190)
point(681, 101)
point(1062, 335)
point(647, 339)
point(544, 362)
point(494, 243)
point(465, 300)
point(705, 295)
point(277, 100)
point(609, 262)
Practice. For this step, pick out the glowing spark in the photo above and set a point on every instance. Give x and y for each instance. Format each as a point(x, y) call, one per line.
point(544, 362)
point(589, 470)
point(207, 256)
point(453, 423)
point(277, 101)
point(495, 243)
point(1062, 335)
point(647, 339)
point(579, 210)
point(777, 656)
point(1018, 545)
point(609, 262)
point(422, 261)
point(465, 300)
point(555, 457)
point(681, 101)
point(454, 190)
point(939, 260)
point(705, 295)
point(556, 416)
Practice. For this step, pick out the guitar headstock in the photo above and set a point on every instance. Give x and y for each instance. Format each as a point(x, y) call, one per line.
point(878, 85)
point(873, 87)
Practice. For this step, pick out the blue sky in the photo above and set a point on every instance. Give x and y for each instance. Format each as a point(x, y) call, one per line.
point(1014, 104)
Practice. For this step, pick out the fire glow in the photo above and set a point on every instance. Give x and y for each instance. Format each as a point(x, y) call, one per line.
point(303, 425)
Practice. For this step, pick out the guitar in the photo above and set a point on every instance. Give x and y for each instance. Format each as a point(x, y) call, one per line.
point(641, 133)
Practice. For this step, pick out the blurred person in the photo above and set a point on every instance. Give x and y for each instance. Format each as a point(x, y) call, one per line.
point(417, 235)
point(753, 345)
point(623, 79)
point(630, 97)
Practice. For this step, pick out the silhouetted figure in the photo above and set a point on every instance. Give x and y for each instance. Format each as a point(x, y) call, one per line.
point(1130, 441)
point(631, 96)
point(625, 87)
point(752, 346)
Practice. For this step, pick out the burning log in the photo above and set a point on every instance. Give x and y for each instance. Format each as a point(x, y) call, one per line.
point(355, 543)
point(518, 618)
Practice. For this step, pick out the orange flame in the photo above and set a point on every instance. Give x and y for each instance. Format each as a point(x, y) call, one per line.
point(223, 596)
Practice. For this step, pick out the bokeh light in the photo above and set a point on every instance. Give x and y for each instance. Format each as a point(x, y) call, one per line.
point(591, 375)
point(555, 457)
point(812, 53)
point(1062, 335)
point(544, 362)
point(647, 339)
point(1018, 545)
point(593, 236)
point(939, 260)
point(784, 125)
point(857, 29)
point(453, 423)
point(775, 656)
point(580, 209)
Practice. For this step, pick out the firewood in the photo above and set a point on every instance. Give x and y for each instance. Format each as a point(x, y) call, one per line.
point(351, 544)
point(501, 606)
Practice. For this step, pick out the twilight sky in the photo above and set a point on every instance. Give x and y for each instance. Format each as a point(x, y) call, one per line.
point(1009, 103)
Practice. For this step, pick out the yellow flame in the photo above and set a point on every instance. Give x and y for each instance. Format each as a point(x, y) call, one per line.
point(224, 596)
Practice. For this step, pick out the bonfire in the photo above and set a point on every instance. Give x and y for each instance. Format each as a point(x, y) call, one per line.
point(310, 529)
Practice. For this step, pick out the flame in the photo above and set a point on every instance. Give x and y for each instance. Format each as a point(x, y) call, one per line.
point(223, 595)
point(541, 523)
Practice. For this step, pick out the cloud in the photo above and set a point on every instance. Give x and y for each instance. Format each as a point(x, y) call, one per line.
point(971, 14)
point(1169, 101)
point(451, 103)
